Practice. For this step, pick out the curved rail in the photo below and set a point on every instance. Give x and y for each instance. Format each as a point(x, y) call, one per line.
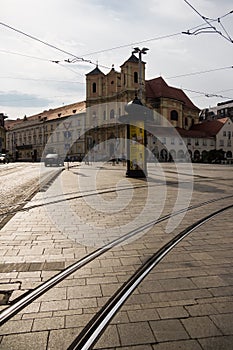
point(82, 195)
point(93, 330)
point(27, 298)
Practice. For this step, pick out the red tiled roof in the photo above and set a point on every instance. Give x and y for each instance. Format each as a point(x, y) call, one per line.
point(157, 87)
point(210, 128)
point(192, 133)
point(56, 113)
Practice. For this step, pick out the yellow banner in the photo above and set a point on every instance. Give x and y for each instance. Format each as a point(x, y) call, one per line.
point(137, 148)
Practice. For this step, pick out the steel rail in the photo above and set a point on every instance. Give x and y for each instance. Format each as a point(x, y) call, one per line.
point(27, 298)
point(82, 195)
point(96, 326)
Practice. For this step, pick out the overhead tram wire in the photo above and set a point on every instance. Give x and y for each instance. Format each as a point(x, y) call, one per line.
point(80, 59)
point(28, 56)
point(207, 94)
point(133, 43)
point(208, 21)
point(200, 72)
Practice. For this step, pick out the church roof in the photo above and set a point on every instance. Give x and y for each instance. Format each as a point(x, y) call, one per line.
point(157, 87)
point(95, 71)
point(132, 58)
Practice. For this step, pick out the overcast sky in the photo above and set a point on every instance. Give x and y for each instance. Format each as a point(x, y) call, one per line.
point(31, 82)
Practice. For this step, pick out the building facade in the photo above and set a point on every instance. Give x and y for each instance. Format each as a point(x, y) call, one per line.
point(222, 110)
point(2, 133)
point(91, 128)
point(59, 130)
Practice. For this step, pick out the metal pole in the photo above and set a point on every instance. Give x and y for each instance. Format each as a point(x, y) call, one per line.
point(140, 75)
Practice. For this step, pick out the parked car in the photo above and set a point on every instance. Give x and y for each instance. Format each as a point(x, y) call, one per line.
point(53, 159)
point(4, 158)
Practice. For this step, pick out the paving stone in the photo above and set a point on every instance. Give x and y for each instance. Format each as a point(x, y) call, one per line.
point(209, 281)
point(48, 323)
point(200, 327)
point(82, 303)
point(83, 292)
point(143, 315)
point(224, 322)
point(72, 321)
point(201, 309)
point(223, 307)
point(25, 341)
point(54, 294)
point(60, 339)
point(18, 326)
point(177, 284)
point(9, 286)
point(135, 347)
point(109, 338)
point(179, 345)
point(54, 305)
point(36, 315)
point(172, 312)
point(217, 343)
point(222, 291)
point(135, 333)
point(165, 330)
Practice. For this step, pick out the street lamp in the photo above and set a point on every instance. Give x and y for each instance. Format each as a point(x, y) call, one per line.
point(141, 52)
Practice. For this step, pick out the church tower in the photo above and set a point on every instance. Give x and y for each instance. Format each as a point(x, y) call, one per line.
point(130, 77)
point(94, 86)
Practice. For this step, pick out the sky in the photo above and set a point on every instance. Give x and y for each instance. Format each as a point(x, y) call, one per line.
point(35, 77)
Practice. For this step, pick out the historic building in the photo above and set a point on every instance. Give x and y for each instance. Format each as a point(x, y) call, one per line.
point(91, 128)
point(209, 141)
point(171, 103)
point(2, 133)
point(222, 110)
point(107, 95)
point(58, 130)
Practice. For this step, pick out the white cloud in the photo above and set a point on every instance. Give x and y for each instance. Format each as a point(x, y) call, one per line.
point(81, 27)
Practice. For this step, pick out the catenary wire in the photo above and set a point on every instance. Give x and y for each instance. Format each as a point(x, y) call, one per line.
point(200, 72)
point(209, 21)
point(89, 61)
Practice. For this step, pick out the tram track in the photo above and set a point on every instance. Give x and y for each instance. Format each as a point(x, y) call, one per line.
point(97, 325)
point(5, 216)
point(27, 298)
point(43, 184)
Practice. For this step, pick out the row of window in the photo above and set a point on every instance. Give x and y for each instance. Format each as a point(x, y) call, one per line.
point(222, 143)
point(112, 114)
point(39, 139)
point(179, 141)
point(228, 134)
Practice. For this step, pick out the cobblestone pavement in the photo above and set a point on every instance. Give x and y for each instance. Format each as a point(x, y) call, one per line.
point(184, 303)
point(18, 182)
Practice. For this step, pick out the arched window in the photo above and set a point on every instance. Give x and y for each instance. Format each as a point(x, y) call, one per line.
point(112, 114)
point(135, 75)
point(174, 115)
point(94, 87)
point(186, 121)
